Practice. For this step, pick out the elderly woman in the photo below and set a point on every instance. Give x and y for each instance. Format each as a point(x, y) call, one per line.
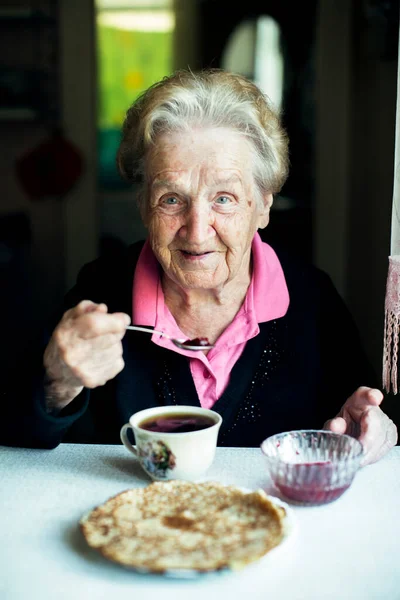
point(210, 153)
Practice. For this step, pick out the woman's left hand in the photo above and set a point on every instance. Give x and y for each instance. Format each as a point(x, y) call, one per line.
point(361, 417)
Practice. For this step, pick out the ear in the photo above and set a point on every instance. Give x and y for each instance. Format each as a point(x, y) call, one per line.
point(263, 218)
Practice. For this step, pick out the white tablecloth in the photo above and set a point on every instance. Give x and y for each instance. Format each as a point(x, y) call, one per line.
point(349, 549)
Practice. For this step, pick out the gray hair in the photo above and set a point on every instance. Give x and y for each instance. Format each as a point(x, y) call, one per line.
point(211, 98)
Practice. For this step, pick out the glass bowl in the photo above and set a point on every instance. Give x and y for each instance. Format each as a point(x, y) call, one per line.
point(312, 466)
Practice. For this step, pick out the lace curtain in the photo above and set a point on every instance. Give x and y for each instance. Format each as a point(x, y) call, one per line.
point(392, 301)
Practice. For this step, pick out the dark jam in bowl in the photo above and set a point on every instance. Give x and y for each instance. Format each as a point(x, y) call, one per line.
point(310, 494)
point(312, 484)
point(177, 423)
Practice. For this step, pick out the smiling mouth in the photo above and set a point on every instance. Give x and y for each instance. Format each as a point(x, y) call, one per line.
point(187, 253)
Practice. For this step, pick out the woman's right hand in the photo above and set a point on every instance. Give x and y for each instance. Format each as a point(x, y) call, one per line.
point(85, 350)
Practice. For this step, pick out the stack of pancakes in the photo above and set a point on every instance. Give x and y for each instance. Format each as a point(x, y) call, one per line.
point(180, 525)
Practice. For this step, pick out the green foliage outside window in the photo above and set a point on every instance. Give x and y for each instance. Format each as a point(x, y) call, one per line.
point(128, 63)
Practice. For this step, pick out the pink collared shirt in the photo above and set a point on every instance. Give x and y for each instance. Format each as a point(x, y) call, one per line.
point(267, 298)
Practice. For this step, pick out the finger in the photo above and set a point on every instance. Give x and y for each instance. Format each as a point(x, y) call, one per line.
point(373, 434)
point(87, 306)
point(389, 442)
point(103, 342)
point(127, 319)
point(84, 307)
point(374, 397)
point(378, 434)
point(369, 429)
point(336, 425)
point(112, 369)
point(100, 368)
point(364, 397)
point(86, 360)
point(95, 324)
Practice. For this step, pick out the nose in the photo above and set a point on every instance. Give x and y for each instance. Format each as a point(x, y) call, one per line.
point(197, 226)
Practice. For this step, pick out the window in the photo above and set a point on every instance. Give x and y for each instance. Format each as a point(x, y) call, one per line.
point(254, 51)
point(134, 50)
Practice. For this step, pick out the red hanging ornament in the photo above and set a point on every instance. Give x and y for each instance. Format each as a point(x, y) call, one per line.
point(51, 169)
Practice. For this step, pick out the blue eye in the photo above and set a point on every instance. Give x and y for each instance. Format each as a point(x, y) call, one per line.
point(222, 200)
point(171, 200)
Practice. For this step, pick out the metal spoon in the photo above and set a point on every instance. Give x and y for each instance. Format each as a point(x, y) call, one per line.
point(180, 343)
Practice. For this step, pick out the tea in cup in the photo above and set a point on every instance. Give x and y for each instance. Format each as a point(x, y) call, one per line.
point(173, 442)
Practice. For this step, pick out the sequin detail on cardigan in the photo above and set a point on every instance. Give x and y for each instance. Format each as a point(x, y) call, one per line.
point(249, 410)
point(165, 390)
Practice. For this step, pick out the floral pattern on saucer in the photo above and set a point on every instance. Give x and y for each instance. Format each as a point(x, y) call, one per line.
point(157, 459)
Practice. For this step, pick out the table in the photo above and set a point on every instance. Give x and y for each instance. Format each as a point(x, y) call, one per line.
point(349, 549)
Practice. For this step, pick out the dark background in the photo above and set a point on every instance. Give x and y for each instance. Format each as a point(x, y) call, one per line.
point(339, 104)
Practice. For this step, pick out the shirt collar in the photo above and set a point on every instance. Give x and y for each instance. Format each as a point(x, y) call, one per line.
point(267, 296)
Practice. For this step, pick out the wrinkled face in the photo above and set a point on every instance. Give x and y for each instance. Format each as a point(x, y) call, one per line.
point(203, 208)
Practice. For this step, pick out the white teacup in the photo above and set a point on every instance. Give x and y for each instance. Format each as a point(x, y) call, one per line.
point(166, 455)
